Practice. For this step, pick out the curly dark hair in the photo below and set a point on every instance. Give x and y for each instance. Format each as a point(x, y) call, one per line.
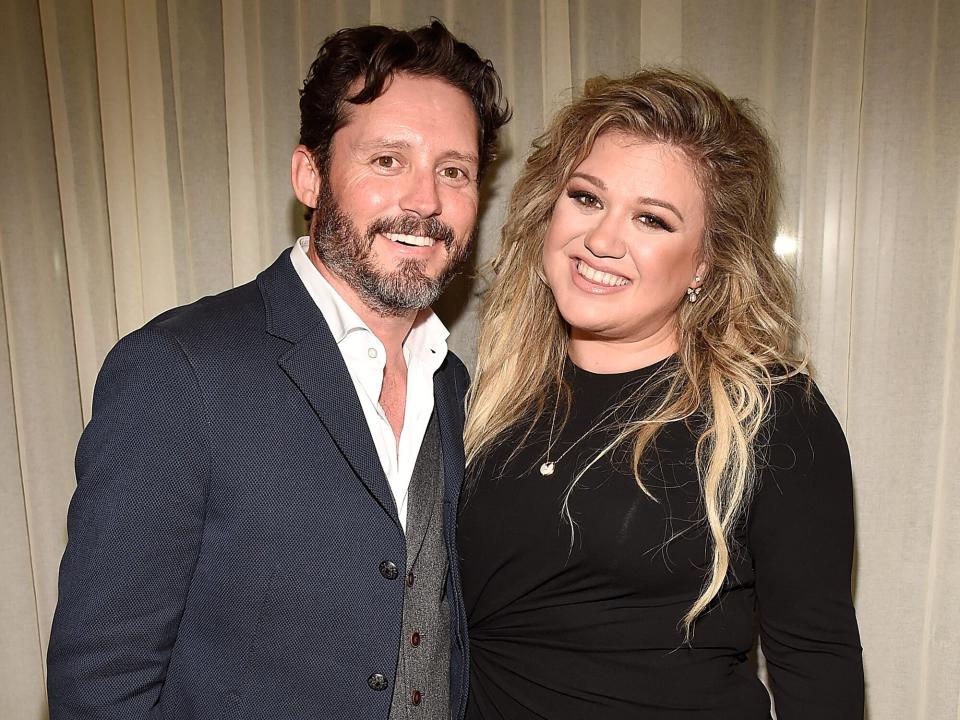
point(375, 53)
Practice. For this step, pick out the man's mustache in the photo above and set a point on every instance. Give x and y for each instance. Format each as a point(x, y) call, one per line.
point(406, 225)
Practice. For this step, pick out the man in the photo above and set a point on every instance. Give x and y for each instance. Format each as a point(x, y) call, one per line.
point(264, 520)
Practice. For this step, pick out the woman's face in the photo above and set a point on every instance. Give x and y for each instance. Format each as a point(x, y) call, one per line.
point(624, 241)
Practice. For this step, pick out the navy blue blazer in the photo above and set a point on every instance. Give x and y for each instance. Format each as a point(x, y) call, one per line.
point(229, 522)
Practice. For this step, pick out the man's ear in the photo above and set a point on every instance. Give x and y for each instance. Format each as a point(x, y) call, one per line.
point(304, 176)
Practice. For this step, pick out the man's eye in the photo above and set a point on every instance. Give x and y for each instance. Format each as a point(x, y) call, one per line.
point(453, 173)
point(386, 161)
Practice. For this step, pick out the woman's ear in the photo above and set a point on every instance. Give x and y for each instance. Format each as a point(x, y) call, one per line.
point(700, 276)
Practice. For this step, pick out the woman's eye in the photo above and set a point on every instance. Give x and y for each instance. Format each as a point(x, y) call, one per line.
point(386, 161)
point(653, 221)
point(584, 198)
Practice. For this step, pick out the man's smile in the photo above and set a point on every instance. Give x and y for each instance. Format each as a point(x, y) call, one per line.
point(416, 240)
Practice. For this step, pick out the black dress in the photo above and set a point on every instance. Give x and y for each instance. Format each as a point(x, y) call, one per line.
point(588, 625)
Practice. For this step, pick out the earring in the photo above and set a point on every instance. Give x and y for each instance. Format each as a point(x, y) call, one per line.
point(693, 292)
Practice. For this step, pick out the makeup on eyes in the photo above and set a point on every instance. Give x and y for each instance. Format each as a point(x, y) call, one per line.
point(584, 198)
point(657, 221)
point(588, 199)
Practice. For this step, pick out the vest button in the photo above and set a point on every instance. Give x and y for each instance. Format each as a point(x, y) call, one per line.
point(377, 681)
point(410, 579)
point(388, 570)
point(416, 697)
point(415, 639)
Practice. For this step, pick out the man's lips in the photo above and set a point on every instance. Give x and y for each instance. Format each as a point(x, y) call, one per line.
point(410, 232)
point(414, 240)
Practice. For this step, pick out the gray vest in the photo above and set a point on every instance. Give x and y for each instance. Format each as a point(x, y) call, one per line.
point(422, 685)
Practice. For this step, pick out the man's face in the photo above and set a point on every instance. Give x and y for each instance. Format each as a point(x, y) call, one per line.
point(397, 208)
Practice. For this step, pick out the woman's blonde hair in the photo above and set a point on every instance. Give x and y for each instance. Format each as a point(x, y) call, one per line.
point(735, 342)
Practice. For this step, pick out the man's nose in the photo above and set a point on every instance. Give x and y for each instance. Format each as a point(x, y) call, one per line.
point(420, 194)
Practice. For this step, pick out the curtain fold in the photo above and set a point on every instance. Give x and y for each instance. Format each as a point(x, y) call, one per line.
point(21, 654)
point(826, 203)
point(902, 358)
point(70, 62)
point(40, 388)
point(144, 162)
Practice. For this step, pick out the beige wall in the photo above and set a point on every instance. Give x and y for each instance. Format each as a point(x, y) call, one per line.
point(145, 148)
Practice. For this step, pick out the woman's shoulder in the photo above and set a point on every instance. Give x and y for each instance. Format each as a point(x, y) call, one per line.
point(796, 401)
point(801, 433)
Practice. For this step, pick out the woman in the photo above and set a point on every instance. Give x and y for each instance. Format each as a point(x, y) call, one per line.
point(649, 469)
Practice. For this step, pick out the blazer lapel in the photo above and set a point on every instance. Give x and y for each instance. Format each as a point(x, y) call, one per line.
point(450, 421)
point(316, 367)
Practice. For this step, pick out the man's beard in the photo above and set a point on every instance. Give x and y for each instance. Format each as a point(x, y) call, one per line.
point(346, 253)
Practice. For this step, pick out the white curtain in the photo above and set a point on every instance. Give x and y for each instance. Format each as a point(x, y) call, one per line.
point(144, 155)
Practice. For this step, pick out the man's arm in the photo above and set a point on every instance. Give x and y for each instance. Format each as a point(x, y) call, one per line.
point(134, 529)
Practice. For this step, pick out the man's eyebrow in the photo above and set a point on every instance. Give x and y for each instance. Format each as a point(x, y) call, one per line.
point(383, 144)
point(643, 200)
point(470, 158)
point(399, 145)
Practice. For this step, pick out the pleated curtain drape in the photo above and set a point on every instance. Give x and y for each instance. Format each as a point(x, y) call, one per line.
point(144, 162)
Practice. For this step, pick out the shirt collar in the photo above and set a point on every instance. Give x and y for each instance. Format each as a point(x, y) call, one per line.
point(426, 341)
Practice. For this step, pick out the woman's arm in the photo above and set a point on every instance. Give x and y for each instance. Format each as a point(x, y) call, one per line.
point(801, 536)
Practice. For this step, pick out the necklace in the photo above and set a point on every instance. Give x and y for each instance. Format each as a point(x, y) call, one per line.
point(548, 466)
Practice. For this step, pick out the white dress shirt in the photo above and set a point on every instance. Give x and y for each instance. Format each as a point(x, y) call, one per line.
point(424, 349)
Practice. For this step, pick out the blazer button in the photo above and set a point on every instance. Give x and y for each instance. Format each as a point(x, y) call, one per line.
point(416, 697)
point(388, 570)
point(415, 639)
point(377, 682)
point(410, 579)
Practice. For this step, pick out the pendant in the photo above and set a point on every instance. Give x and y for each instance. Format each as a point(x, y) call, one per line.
point(547, 468)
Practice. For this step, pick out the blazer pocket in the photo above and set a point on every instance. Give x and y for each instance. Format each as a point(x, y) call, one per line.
point(253, 639)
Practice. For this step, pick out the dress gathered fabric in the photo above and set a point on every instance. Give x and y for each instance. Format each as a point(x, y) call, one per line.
point(584, 621)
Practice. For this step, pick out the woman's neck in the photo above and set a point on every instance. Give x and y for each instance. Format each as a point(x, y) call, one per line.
point(606, 355)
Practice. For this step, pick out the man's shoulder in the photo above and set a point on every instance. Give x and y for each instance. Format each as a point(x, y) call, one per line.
point(238, 310)
point(213, 317)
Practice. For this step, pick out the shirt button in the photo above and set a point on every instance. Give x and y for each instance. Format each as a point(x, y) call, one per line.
point(409, 579)
point(372, 352)
point(377, 681)
point(416, 697)
point(415, 639)
point(388, 570)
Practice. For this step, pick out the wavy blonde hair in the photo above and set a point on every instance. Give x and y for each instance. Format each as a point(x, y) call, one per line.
point(735, 343)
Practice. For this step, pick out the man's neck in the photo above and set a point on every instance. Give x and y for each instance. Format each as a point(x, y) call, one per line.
point(391, 330)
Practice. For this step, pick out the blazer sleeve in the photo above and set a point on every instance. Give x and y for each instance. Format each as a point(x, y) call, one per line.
point(134, 530)
point(802, 541)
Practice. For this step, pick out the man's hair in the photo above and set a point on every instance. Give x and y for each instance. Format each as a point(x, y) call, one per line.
point(373, 54)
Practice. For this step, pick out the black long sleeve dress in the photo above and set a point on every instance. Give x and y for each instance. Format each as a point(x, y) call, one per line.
point(588, 625)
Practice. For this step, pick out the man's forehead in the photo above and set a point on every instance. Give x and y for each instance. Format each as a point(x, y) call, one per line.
point(413, 111)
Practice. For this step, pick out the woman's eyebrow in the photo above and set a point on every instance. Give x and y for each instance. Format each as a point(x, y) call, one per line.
point(590, 179)
point(594, 180)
